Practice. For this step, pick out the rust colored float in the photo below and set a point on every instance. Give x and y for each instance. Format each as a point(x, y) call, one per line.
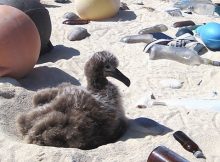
point(19, 42)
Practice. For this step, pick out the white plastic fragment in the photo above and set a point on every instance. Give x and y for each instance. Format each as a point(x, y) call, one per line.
point(171, 83)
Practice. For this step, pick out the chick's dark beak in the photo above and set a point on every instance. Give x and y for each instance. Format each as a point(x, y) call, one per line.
point(119, 76)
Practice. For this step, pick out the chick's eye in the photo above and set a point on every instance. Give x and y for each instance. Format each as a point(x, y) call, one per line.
point(107, 67)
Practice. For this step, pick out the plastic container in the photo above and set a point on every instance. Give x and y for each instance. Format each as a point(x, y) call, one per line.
point(210, 35)
point(203, 7)
point(163, 154)
point(188, 144)
point(182, 4)
point(179, 54)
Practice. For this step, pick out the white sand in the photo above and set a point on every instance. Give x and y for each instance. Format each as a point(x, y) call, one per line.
point(66, 63)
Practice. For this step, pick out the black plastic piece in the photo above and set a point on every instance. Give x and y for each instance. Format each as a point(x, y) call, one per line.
point(182, 31)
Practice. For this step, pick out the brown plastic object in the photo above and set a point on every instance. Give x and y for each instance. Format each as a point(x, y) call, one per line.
point(76, 22)
point(163, 154)
point(19, 42)
point(183, 23)
point(188, 144)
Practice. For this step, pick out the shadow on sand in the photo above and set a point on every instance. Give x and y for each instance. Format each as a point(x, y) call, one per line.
point(59, 52)
point(55, 6)
point(123, 15)
point(142, 127)
point(43, 77)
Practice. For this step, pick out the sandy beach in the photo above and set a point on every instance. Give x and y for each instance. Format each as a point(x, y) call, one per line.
point(66, 64)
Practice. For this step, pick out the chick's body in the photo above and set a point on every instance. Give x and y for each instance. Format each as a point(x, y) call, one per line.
point(72, 116)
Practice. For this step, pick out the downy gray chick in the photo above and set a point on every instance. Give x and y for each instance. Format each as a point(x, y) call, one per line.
point(72, 116)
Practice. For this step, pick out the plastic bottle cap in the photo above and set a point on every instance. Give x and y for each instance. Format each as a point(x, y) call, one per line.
point(199, 154)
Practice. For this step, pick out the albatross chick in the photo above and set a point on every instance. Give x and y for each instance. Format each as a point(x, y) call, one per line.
point(77, 117)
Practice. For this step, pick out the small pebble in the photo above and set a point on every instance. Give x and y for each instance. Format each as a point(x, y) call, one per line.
point(150, 9)
point(188, 12)
point(70, 16)
point(171, 83)
point(77, 33)
point(154, 29)
point(215, 93)
point(139, 2)
point(199, 83)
